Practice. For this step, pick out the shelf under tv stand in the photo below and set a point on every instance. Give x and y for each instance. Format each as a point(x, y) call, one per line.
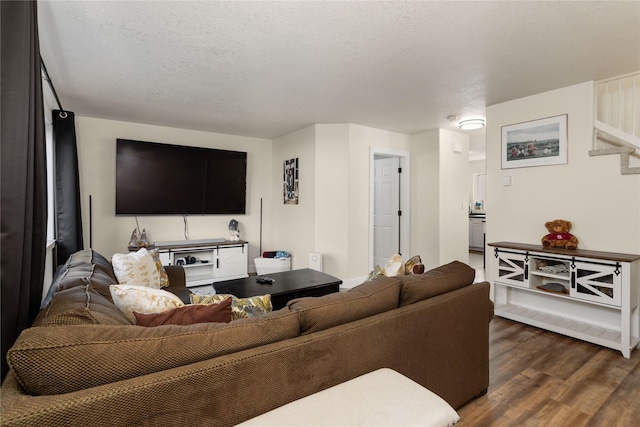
point(215, 260)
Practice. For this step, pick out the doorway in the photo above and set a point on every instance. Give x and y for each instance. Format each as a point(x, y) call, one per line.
point(389, 206)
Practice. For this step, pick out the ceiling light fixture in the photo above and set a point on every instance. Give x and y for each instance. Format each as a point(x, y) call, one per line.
point(471, 124)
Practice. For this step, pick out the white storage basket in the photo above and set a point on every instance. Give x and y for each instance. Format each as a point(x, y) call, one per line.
point(272, 265)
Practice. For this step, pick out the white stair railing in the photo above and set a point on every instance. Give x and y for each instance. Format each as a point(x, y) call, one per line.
point(617, 121)
point(618, 104)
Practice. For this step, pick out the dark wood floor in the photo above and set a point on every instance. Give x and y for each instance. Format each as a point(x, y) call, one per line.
point(539, 378)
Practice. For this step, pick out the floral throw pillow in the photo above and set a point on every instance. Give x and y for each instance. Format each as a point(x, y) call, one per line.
point(142, 299)
point(136, 268)
point(241, 308)
point(164, 278)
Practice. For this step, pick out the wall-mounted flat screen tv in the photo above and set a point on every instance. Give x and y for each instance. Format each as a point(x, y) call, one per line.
point(165, 179)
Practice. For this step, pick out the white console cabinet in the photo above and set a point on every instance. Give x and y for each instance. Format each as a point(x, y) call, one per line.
point(205, 262)
point(589, 295)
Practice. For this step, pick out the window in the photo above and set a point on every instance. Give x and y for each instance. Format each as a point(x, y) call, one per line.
point(49, 271)
point(51, 185)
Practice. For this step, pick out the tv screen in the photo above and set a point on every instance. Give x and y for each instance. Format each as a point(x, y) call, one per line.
point(165, 179)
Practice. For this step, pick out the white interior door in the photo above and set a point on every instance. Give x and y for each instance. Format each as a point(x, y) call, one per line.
point(386, 204)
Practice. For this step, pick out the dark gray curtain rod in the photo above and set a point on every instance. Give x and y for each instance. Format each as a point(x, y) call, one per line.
point(48, 79)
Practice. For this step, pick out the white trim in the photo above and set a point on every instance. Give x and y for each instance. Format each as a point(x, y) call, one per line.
point(49, 270)
point(621, 137)
point(624, 76)
point(405, 196)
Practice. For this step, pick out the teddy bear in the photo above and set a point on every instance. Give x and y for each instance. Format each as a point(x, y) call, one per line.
point(531, 149)
point(559, 236)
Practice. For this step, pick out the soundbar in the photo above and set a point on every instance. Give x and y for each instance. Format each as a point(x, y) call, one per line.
point(189, 242)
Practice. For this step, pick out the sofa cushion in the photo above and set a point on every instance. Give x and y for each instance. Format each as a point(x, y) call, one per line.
point(434, 282)
point(90, 257)
point(80, 305)
point(240, 307)
point(81, 265)
point(188, 315)
point(60, 360)
point(130, 298)
point(367, 299)
point(78, 275)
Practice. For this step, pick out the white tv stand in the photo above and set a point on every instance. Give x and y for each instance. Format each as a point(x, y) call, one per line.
point(598, 298)
point(215, 260)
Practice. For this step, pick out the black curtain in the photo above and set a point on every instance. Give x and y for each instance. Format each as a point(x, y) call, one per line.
point(24, 178)
point(68, 214)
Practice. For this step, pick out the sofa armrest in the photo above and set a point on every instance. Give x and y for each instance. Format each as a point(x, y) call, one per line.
point(176, 275)
point(177, 283)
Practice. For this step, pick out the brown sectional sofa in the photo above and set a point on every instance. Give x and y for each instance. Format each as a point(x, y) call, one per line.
point(83, 363)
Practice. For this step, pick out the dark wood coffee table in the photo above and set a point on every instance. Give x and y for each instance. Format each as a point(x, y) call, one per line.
point(287, 285)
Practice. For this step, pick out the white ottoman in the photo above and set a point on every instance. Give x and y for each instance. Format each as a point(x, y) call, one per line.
point(379, 398)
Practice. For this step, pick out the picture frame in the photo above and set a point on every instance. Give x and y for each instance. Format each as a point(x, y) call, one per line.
point(290, 183)
point(541, 142)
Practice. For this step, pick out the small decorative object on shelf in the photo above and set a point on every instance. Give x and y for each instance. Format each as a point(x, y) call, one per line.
point(136, 241)
point(559, 236)
point(234, 230)
point(553, 269)
point(133, 241)
point(143, 242)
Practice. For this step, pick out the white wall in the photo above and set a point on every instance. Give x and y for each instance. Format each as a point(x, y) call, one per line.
point(602, 204)
point(293, 226)
point(332, 215)
point(425, 196)
point(332, 198)
point(111, 233)
point(439, 188)
point(453, 200)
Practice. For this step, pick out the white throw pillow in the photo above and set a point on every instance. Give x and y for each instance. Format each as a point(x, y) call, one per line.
point(136, 268)
point(143, 299)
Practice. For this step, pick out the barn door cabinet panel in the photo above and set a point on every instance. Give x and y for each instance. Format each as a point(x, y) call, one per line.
point(206, 263)
point(589, 295)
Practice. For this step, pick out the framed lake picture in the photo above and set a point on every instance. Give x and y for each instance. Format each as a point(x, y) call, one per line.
point(540, 142)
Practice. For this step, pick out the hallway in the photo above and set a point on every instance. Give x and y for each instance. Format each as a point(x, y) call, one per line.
point(476, 262)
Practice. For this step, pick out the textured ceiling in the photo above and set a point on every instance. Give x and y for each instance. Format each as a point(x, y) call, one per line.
point(265, 69)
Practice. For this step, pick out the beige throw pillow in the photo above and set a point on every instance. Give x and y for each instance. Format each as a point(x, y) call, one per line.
point(136, 268)
point(142, 299)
